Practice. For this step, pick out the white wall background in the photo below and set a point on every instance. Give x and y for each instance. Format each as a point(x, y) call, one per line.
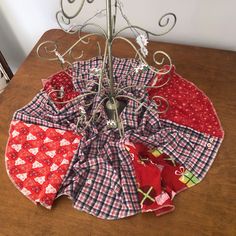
point(207, 23)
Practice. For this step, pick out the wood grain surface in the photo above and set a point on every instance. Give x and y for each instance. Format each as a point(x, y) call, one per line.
point(206, 209)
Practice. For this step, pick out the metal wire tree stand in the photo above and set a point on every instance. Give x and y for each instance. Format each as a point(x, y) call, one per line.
point(112, 93)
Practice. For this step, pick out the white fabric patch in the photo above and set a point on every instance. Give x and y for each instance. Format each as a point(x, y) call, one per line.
point(25, 191)
point(19, 161)
point(64, 142)
point(51, 153)
point(47, 140)
point(37, 164)
point(22, 177)
point(53, 167)
point(44, 128)
point(60, 131)
point(15, 122)
point(76, 140)
point(30, 137)
point(162, 198)
point(50, 189)
point(40, 180)
point(15, 133)
point(16, 147)
point(34, 151)
point(65, 162)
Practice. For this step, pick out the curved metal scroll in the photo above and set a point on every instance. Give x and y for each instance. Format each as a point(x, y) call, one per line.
point(49, 50)
point(163, 22)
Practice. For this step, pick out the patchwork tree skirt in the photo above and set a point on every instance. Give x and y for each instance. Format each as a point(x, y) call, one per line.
point(160, 155)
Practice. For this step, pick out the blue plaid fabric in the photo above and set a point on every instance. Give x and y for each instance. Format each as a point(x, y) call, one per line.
point(42, 111)
point(101, 179)
point(194, 150)
point(123, 69)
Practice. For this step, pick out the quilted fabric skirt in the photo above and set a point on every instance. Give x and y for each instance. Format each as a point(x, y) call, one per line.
point(160, 155)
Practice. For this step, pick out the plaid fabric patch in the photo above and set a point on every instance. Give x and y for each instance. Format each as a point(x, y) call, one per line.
point(123, 69)
point(42, 111)
point(101, 179)
point(195, 150)
point(80, 67)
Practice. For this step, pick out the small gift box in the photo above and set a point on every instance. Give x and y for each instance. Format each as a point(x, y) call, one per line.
point(189, 179)
point(156, 153)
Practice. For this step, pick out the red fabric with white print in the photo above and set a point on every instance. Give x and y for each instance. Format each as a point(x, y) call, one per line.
point(60, 81)
point(188, 105)
point(37, 158)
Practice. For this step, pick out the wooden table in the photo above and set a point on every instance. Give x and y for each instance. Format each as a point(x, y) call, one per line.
point(206, 209)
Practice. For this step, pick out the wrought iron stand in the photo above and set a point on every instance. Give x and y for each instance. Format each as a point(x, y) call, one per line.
point(112, 103)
